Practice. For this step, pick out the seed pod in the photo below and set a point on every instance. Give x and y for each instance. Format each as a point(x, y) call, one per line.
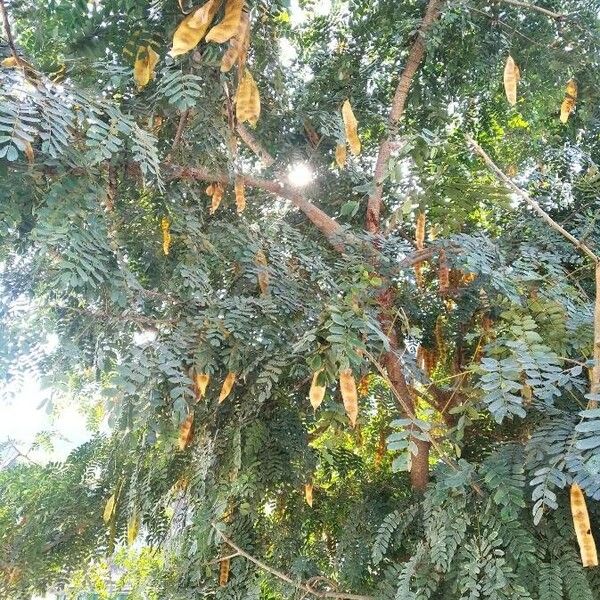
point(218, 189)
point(227, 386)
point(186, 432)
point(260, 260)
point(145, 63)
point(109, 508)
point(228, 27)
point(308, 494)
point(224, 571)
point(511, 78)
point(191, 30)
point(133, 526)
point(351, 127)
point(420, 231)
point(166, 234)
point(201, 383)
point(443, 273)
point(317, 392)
point(247, 104)
point(340, 155)
point(349, 395)
point(240, 194)
point(581, 522)
point(568, 104)
point(238, 44)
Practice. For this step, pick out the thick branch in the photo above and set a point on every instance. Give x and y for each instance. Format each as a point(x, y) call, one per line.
point(8, 32)
point(332, 230)
point(544, 11)
point(415, 57)
point(280, 575)
point(254, 145)
point(530, 201)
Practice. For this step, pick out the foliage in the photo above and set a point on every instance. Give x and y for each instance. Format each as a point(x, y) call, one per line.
point(95, 174)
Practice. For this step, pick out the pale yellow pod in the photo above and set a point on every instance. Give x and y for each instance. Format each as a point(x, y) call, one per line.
point(240, 194)
point(133, 527)
point(581, 522)
point(420, 231)
point(186, 432)
point(141, 68)
point(227, 386)
point(349, 395)
point(317, 392)
point(109, 508)
point(217, 196)
point(511, 77)
point(192, 29)
point(568, 104)
point(247, 107)
point(260, 260)
point(224, 572)
point(351, 127)
point(340, 155)
point(238, 44)
point(308, 494)
point(201, 381)
point(228, 27)
point(166, 234)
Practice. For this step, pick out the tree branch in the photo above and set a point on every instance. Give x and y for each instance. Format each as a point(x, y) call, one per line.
point(544, 11)
point(8, 32)
point(180, 127)
point(530, 201)
point(415, 57)
point(332, 230)
point(280, 575)
point(254, 145)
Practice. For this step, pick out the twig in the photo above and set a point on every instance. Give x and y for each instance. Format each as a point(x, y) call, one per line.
point(8, 32)
point(539, 9)
point(529, 200)
point(180, 127)
point(255, 145)
point(299, 585)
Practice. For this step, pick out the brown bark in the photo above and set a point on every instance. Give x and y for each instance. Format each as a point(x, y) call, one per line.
point(419, 472)
point(413, 62)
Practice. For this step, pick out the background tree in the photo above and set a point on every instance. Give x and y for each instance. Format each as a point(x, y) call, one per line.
point(199, 296)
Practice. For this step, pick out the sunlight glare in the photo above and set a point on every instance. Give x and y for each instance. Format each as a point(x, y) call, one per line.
point(300, 174)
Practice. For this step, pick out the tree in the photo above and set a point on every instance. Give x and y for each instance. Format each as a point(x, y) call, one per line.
point(432, 290)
